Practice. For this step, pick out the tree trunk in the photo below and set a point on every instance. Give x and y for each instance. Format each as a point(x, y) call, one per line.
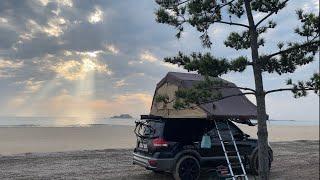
point(260, 98)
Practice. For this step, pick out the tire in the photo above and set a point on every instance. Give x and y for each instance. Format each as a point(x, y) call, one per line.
point(187, 168)
point(254, 163)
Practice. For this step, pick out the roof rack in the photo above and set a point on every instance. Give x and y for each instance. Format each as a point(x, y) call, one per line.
point(150, 117)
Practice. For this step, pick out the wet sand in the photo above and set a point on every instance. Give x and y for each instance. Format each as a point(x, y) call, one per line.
point(53, 139)
point(292, 160)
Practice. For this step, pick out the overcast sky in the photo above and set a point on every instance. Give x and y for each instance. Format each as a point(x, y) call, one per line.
point(101, 58)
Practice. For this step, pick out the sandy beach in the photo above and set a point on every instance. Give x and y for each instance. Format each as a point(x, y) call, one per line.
point(105, 152)
point(16, 140)
point(292, 160)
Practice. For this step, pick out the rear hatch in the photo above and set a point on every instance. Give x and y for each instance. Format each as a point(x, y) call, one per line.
point(147, 132)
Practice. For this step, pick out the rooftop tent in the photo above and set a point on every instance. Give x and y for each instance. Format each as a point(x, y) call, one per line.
point(238, 108)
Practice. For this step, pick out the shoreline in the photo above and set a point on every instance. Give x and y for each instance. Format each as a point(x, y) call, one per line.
point(55, 153)
point(21, 140)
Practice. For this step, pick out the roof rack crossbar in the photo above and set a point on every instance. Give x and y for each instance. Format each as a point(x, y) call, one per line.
point(150, 117)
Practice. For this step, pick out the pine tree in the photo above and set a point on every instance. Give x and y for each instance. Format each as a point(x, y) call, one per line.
point(202, 14)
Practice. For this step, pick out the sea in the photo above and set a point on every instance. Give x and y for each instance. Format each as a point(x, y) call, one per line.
point(101, 121)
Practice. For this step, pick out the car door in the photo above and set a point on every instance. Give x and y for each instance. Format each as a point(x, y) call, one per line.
point(216, 149)
point(214, 156)
point(225, 136)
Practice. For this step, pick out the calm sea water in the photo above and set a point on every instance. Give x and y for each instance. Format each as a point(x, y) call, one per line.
point(85, 122)
point(62, 121)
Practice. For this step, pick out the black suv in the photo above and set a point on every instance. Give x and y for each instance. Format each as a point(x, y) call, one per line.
point(173, 145)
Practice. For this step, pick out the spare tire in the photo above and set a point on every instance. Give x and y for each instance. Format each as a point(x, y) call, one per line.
point(187, 168)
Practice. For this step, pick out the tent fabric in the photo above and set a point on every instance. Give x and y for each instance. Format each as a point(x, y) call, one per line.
point(238, 107)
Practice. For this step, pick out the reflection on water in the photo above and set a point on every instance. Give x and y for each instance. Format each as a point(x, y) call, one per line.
point(61, 121)
point(86, 122)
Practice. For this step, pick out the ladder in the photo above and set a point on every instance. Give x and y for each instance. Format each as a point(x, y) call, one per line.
point(227, 152)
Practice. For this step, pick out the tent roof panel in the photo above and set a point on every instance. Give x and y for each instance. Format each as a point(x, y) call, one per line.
point(234, 107)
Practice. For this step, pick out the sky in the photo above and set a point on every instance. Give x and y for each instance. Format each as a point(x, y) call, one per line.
point(99, 58)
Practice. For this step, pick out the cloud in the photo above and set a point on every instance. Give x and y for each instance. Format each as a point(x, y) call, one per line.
point(67, 105)
point(313, 7)
point(111, 48)
point(120, 83)
point(3, 20)
point(68, 3)
point(55, 26)
point(7, 67)
point(147, 56)
point(75, 70)
point(132, 103)
point(145, 98)
point(59, 44)
point(32, 85)
point(91, 54)
point(170, 66)
point(96, 16)
point(10, 64)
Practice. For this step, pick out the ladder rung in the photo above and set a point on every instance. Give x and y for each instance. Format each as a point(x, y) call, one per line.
point(225, 143)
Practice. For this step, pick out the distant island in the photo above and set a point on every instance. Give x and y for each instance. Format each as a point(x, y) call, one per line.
point(122, 116)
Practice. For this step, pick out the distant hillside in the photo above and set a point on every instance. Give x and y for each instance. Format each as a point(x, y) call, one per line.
point(123, 116)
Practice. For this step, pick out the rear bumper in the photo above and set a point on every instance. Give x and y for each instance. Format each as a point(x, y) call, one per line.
point(165, 164)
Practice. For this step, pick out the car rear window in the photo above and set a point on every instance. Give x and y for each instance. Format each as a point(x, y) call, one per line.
point(157, 128)
point(185, 130)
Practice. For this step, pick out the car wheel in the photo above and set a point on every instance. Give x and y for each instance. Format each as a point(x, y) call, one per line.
point(254, 164)
point(187, 168)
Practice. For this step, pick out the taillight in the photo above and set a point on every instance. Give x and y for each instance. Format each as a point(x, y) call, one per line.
point(159, 142)
point(152, 162)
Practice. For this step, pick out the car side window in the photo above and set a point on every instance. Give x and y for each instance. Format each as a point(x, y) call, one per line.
point(235, 131)
point(213, 135)
point(225, 134)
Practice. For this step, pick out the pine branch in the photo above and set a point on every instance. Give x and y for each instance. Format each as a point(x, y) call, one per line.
point(178, 4)
point(232, 23)
point(222, 22)
point(229, 96)
point(289, 89)
point(219, 99)
point(292, 48)
point(182, 2)
point(231, 87)
point(166, 101)
point(228, 3)
point(273, 11)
